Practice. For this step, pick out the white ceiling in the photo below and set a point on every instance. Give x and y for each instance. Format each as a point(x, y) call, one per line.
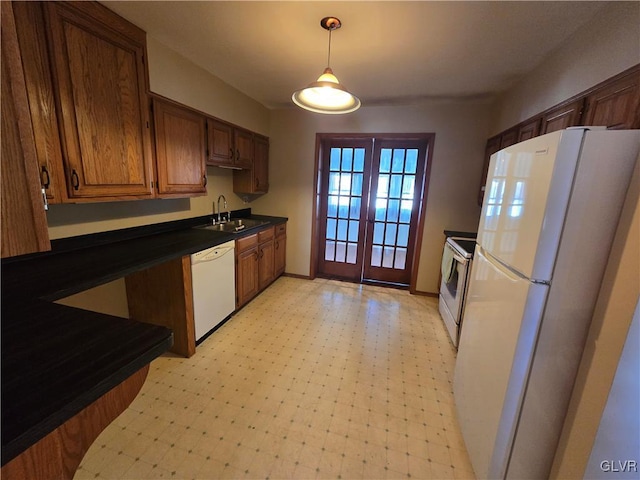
point(386, 52)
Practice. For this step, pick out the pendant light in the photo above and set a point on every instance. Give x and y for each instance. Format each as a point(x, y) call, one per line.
point(327, 95)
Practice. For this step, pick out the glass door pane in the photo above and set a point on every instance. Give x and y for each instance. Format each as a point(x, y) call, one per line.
point(345, 183)
point(393, 209)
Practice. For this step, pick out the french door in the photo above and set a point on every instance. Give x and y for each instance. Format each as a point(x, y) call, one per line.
point(370, 193)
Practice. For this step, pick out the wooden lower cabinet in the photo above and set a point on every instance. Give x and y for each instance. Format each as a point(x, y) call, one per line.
point(265, 257)
point(260, 259)
point(246, 269)
point(280, 247)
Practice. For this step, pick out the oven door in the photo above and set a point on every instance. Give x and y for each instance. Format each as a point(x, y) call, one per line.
point(451, 295)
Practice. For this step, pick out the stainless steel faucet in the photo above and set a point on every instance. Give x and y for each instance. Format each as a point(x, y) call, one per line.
point(225, 206)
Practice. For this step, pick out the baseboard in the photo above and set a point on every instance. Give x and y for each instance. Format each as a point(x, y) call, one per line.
point(426, 294)
point(295, 275)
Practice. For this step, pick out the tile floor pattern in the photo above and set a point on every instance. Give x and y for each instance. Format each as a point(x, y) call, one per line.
point(312, 379)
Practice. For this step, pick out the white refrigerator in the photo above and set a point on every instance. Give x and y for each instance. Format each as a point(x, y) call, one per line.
point(548, 219)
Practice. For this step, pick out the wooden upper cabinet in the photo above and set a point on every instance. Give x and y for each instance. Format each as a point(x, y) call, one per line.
point(221, 151)
point(562, 117)
point(98, 66)
point(244, 151)
point(261, 164)
point(31, 30)
point(615, 105)
point(529, 129)
point(254, 180)
point(24, 224)
point(493, 145)
point(180, 135)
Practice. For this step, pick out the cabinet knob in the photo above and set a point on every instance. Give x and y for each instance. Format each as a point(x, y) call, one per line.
point(75, 180)
point(46, 181)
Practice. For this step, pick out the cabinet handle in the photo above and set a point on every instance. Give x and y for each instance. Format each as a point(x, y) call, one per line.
point(261, 253)
point(75, 180)
point(46, 181)
point(277, 245)
point(231, 153)
point(204, 179)
point(257, 256)
point(237, 155)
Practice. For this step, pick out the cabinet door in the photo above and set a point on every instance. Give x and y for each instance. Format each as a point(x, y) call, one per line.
point(31, 30)
point(493, 145)
point(24, 225)
point(280, 256)
point(246, 276)
point(98, 66)
point(244, 153)
point(509, 138)
point(562, 117)
point(266, 252)
point(616, 105)
point(180, 149)
point(220, 144)
point(529, 130)
point(255, 179)
point(261, 165)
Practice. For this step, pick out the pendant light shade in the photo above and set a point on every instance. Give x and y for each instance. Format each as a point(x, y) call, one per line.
point(327, 95)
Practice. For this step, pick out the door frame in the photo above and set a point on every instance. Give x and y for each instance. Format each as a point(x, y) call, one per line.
point(315, 224)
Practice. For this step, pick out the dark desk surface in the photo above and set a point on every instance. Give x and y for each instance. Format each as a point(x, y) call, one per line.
point(56, 360)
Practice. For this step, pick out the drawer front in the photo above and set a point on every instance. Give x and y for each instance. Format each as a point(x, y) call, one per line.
point(266, 234)
point(246, 243)
point(281, 229)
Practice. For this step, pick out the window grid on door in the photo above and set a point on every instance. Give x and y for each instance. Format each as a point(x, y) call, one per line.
point(393, 207)
point(346, 176)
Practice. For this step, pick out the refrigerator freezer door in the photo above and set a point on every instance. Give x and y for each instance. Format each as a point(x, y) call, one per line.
point(527, 192)
point(486, 394)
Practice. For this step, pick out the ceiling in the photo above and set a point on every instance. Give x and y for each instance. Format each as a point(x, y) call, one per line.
point(386, 53)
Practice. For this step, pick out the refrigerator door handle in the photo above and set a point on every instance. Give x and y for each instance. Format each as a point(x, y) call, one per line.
point(507, 271)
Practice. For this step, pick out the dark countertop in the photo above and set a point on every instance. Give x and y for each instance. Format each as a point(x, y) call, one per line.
point(56, 360)
point(456, 233)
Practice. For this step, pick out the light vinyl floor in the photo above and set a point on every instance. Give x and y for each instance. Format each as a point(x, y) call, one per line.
point(312, 379)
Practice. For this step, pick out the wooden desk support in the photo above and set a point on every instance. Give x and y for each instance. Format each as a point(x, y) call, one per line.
point(58, 455)
point(163, 295)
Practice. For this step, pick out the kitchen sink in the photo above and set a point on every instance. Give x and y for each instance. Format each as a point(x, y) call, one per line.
point(234, 226)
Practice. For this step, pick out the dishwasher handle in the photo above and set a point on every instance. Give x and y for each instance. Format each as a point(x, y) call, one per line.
point(211, 254)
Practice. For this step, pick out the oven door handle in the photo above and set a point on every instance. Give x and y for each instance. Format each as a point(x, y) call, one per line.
point(456, 255)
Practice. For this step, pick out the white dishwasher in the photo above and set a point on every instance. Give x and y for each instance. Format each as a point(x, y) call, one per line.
point(214, 287)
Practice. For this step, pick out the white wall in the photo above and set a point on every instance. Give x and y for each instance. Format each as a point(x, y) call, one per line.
point(604, 47)
point(461, 130)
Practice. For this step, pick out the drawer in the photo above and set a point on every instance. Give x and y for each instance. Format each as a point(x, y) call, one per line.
point(281, 229)
point(266, 234)
point(246, 243)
